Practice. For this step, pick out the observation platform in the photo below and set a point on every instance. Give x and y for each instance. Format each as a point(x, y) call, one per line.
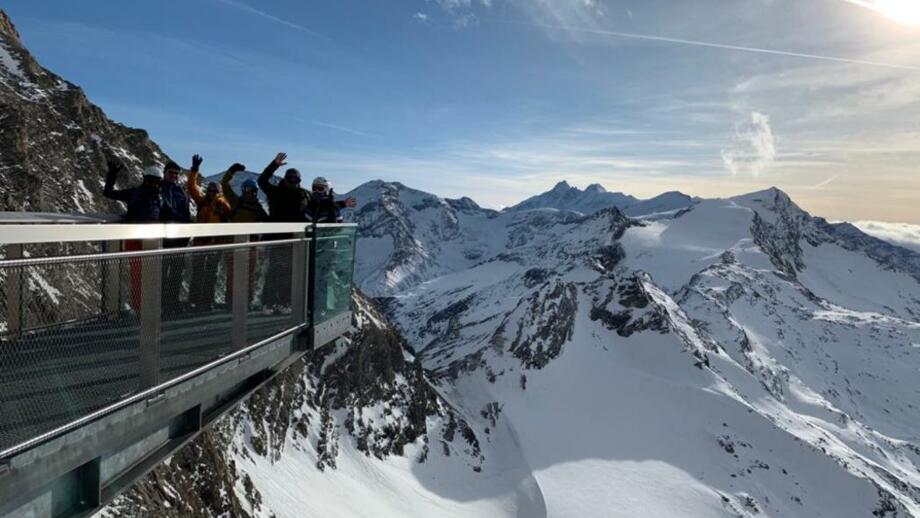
point(120, 343)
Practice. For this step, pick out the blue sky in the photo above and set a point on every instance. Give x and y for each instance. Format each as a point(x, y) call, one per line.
point(500, 99)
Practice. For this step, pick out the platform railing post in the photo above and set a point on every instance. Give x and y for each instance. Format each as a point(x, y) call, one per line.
point(111, 280)
point(240, 292)
point(14, 292)
point(298, 278)
point(150, 315)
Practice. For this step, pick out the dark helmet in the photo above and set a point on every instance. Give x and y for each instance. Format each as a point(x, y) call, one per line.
point(292, 176)
point(250, 184)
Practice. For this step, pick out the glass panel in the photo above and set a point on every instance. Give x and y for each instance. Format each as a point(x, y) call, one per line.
point(335, 256)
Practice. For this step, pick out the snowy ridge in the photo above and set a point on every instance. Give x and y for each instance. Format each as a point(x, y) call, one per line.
point(564, 197)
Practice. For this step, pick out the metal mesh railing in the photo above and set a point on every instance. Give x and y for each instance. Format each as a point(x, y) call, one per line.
point(81, 333)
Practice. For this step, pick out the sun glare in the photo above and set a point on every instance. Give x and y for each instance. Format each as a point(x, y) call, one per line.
point(902, 11)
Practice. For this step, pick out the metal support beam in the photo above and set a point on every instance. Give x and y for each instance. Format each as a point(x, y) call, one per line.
point(14, 292)
point(299, 280)
point(111, 280)
point(151, 315)
point(240, 292)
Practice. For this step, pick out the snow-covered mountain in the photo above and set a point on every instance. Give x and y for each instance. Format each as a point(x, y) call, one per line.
point(741, 358)
point(409, 236)
point(566, 197)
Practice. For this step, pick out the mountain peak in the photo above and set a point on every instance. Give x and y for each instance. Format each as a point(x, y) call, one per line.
point(562, 186)
point(7, 28)
point(595, 187)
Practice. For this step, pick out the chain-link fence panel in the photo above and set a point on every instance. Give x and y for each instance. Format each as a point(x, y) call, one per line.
point(63, 353)
point(270, 307)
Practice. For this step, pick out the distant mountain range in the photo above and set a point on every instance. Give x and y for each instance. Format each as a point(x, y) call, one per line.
point(566, 197)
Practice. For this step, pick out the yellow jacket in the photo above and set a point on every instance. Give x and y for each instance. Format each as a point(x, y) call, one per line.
point(215, 210)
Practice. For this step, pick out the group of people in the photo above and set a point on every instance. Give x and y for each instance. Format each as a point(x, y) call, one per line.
point(160, 199)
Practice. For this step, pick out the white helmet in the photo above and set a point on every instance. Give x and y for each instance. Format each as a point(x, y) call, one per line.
point(153, 171)
point(320, 181)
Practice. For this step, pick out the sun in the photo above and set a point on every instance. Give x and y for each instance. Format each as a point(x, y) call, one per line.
point(902, 11)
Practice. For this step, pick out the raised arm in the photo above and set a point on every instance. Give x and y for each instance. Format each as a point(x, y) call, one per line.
point(194, 190)
point(264, 182)
point(110, 191)
point(225, 183)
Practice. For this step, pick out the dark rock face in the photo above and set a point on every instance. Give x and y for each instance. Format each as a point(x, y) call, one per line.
point(551, 314)
point(198, 482)
point(54, 143)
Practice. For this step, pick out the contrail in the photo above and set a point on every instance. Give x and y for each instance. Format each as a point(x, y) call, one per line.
point(696, 43)
point(336, 127)
point(252, 10)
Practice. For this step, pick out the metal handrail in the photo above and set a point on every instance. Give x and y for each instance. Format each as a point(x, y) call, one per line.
point(24, 234)
point(35, 261)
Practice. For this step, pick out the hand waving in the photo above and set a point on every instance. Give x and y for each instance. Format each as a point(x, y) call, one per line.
point(235, 168)
point(115, 166)
point(196, 162)
point(350, 202)
point(280, 159)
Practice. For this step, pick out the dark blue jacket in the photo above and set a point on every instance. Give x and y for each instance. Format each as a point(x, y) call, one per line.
point(175, 206)
point(143, 202)
point(146, 205)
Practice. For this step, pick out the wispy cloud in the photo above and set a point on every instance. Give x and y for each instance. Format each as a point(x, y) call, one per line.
point(268, 16)
point(724, 46)
point(755, 147)
point(825, 183)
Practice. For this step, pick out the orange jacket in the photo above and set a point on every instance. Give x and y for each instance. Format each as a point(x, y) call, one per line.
point(216, 210)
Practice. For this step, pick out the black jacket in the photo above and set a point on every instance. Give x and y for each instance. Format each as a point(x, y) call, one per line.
point(322, 208)
point(285, 204)
point(144, 202)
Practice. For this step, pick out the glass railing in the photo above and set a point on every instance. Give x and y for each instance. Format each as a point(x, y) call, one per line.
point(334, 268)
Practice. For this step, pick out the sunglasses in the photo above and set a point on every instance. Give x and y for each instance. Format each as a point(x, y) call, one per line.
point(172, 171)
point(291, 179)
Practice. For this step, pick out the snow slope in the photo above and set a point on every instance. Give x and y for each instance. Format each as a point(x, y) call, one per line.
point(740, 359)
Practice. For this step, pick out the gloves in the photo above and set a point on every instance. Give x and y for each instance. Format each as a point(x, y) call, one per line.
point(235, 168)
point(115, 167)
point(196, 162)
